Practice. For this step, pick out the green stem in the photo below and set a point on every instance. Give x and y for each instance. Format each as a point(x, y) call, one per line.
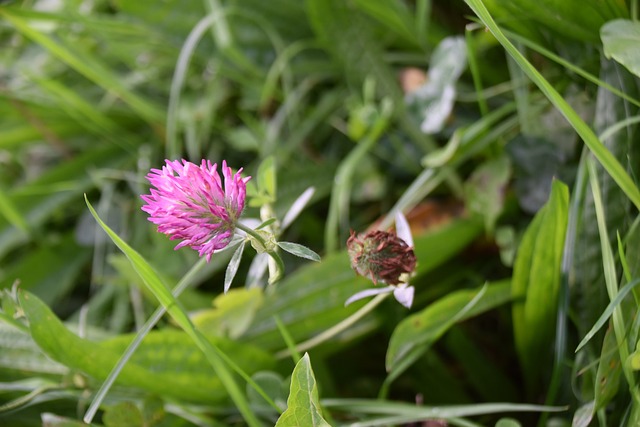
point(271, 252)
point(336, 329)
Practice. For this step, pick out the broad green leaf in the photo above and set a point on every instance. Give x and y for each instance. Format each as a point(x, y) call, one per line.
point(303, 404)
point(415, 333)
point(167, 363)
point(232, 314)
point(536, 283)
point(621, 41)
point(299, 251)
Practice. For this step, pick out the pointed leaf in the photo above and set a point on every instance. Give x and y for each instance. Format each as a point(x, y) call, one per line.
point(303, 404)
point(536, 282)
point(232, 267)
point(299, 251)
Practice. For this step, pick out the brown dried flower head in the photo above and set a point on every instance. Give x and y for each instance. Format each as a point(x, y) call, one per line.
point(381, 256)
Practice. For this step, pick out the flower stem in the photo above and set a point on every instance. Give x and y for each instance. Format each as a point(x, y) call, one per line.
point(336, 329)
point(271, 252)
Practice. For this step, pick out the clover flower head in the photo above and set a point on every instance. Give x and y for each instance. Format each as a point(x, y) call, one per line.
point(380, 255)
point(192, 203)
point(384, 257)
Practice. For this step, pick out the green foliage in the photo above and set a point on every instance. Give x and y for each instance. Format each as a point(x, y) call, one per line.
point(536, 282)
point(303, 404)
point(620, 41)
point(344, 113)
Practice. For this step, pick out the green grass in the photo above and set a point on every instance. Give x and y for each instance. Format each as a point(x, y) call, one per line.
point(523, 205)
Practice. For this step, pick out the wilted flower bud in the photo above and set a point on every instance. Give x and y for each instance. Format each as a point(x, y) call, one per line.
point(381, 256)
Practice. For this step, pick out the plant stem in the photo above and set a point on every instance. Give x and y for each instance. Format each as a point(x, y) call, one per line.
point(271, 252)
point(336, 329)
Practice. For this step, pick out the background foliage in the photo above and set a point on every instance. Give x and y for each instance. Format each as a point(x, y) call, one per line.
point(507, 131)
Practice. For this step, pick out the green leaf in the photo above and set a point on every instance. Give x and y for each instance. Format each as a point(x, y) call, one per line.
point(536, 282)
point(232, 267)
point(299, 251)
point(415, 333)
point(621, 41)
point(167, 362)
point(303, 404)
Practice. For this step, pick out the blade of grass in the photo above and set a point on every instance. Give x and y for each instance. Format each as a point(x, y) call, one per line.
point(604, 156)
point(158, 288)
